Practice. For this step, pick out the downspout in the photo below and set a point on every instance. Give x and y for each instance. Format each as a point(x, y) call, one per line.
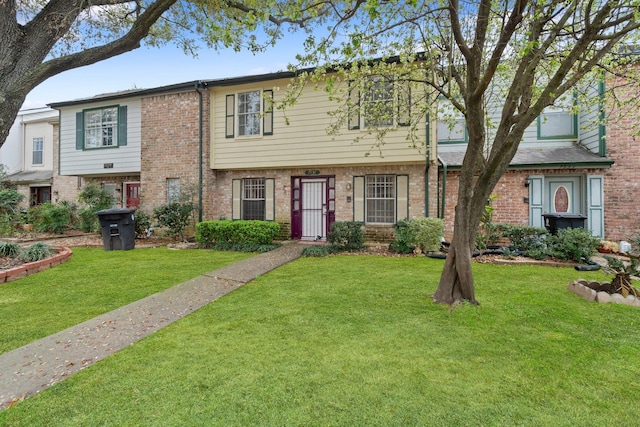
point(197, 88)
point(426, 171)
point(444, 185)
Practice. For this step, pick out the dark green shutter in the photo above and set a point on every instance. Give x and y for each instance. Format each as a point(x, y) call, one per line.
point(122, 126)
point(79, 130)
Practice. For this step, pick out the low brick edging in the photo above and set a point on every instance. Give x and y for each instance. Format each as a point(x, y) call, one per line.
point(24, 270)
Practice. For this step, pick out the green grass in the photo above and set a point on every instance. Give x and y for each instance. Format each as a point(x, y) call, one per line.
point(91, 283)
point(355, 340)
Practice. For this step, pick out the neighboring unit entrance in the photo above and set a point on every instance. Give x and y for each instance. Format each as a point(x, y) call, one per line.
point(564, 195)
point(132, 193)
point(312, 207)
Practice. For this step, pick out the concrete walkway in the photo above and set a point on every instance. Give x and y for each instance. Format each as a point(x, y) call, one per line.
point(31, 368)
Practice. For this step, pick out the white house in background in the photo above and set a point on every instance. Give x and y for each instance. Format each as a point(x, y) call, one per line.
point(28, 154)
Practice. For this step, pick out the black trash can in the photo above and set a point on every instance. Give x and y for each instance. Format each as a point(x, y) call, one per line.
point(560, 220)
point(118, 226)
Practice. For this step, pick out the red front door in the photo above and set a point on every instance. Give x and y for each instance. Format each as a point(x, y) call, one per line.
point(132, 191)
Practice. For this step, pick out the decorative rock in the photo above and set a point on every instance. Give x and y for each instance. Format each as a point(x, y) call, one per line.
point(629, 299)
point(582, 282)
point(636, 303)
point(603, 297)
point(617, 298)
point(584, 292)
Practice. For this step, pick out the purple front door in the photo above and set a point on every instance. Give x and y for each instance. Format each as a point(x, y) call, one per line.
point(312, 207)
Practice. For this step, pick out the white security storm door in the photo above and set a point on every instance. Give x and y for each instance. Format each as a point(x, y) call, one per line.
point(314, 209)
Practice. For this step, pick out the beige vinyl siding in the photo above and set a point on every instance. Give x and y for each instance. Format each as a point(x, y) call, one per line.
point(125, 159)
point(588, 124)
point(304, 142)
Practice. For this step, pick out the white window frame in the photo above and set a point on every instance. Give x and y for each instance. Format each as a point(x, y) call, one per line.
point(380, 188)
point(250, 114)
point(101, 127)
point(37, 151)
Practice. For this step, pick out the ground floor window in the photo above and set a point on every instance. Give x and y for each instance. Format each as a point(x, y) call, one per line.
point(380, 199)
point(253, 198)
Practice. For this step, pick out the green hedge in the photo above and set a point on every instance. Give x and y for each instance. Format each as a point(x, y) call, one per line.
point(224, 231)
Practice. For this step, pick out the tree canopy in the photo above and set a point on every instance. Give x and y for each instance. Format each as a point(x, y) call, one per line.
point(42, 38)
point(518, 56)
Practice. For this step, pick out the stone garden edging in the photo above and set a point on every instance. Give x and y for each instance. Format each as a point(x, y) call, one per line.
point(580, 288)
point(63, 254)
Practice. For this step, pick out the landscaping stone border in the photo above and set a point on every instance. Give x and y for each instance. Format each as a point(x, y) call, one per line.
point(24, 270)
point(580, 288)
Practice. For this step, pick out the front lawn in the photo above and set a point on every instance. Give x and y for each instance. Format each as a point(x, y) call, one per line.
point(94, 282)
point(354, 341)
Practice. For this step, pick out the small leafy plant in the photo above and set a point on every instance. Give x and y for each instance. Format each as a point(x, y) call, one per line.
point(623, 272)
point(35, 252)
point(346, 236)
point(175, 216)
point(9, 249)
point(576, 244)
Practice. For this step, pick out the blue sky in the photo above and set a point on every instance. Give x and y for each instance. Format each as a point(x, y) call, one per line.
point(152, 67)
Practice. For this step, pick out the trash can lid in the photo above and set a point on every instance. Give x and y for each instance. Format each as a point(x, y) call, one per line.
point(565, 215)
point(113, 211)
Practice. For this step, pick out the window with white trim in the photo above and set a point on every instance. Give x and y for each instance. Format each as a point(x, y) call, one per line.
point(384, 102)
point(102, 127)
point(559, 121)
point(253, 198)
point(38, 151)
point(380, 199)
point(452, 126)
point(251, 115)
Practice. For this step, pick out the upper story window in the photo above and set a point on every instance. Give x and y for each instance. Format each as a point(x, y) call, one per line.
point(557, 124)
point(559, 121)
point(101, 127)
point(452, 126)
point(386, 102)
point(38, 151)
point(252, 116)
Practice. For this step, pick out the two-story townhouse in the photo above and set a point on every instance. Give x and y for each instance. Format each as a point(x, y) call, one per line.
point(288, 169)
point(559, 167)
point(222, 141)
point(28, 154)
point(126, 141)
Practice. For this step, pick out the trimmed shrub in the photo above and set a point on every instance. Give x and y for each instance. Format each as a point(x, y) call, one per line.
point(423, 233)
point(346, 236)
point(576, 244)
point(426, 233)
point(224, 231)
point(526, 239)
point(35, 252)
point(9, 200)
